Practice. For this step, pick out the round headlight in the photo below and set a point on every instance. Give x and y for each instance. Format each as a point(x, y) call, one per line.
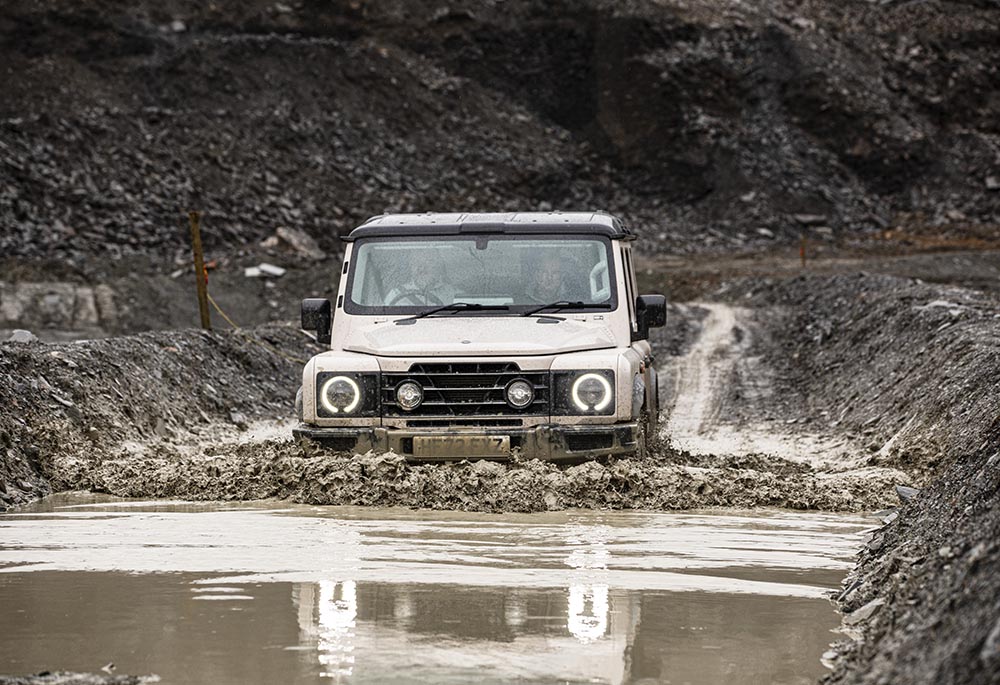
point(409, 395)
point(591, 392)
point(520, 394)
point(340, 395)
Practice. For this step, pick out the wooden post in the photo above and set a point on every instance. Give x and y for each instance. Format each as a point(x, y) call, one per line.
point(200, 276)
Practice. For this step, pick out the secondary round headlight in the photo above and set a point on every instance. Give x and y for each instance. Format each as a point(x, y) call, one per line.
point(520, 394)
point(591, 392)
point(340, 395)
point(409, 395)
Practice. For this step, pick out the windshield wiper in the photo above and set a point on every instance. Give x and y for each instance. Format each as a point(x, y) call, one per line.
point(565, 304)
point(454, 307)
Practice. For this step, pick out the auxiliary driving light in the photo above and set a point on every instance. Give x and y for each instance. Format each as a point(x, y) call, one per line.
point(409, 395)
point(591, 392)
point(340, 395)
point(520, 393)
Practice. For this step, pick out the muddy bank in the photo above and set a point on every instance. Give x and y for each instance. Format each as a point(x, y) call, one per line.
point(91, 397)
point(909, 370)
point(65, 678)
point(906, 369)
point(922, 604)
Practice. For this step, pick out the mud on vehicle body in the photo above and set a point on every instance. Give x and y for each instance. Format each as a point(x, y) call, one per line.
point(484, 335)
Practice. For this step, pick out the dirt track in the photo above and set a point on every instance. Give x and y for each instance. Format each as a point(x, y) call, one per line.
point(721, 397)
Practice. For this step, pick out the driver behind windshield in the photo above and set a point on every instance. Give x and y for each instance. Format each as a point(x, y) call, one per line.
point(425, 285)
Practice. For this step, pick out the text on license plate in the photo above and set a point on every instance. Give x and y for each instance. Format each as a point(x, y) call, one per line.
point(461, 446)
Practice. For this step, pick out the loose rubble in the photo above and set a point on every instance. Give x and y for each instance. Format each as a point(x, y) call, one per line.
point(706, 127)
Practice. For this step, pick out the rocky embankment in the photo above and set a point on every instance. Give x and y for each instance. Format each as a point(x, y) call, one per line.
point(92, 398)
point(706, 125)
point(911, 370)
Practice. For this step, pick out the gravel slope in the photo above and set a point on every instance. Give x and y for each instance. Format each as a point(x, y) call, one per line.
point(705, 124)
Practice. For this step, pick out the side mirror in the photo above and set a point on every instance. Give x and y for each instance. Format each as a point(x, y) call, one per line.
point(316, 316)
point(650, 312)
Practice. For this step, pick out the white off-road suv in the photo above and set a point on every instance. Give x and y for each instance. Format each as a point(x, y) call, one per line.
point(482, 336)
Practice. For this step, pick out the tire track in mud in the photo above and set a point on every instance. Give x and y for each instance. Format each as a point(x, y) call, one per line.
point(698, 376)
point(724, 377)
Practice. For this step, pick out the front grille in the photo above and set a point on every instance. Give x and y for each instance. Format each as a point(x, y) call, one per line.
point(450, 422)
point(465, 390)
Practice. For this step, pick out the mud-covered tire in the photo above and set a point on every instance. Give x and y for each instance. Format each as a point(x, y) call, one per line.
point(648, 440)
point(642, 449)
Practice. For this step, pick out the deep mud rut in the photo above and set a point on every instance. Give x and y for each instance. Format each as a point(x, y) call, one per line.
point(718, 380)
point(706, 458)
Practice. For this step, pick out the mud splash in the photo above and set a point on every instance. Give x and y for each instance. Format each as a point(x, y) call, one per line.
point(287, 470)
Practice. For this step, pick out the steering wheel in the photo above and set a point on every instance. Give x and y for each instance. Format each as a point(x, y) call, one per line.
point(429, 298)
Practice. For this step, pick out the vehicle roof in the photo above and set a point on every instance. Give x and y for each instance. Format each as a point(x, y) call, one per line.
point(513, 223)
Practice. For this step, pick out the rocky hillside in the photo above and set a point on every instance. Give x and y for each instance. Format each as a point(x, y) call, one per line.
point(704, 123)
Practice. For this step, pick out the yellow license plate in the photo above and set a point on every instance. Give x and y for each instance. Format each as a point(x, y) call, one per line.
point(461, 446)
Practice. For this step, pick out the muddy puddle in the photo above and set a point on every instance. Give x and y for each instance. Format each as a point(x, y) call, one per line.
point(267, 592)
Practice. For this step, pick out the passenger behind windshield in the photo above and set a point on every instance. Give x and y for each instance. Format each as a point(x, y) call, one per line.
point(551, 281)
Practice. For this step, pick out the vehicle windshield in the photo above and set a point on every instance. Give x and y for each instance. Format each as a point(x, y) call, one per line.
point(409, 275)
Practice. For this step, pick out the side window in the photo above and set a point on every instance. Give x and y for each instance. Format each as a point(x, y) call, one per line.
point(629, 284)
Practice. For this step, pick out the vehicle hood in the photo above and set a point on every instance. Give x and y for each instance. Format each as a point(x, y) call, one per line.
point(478, 337)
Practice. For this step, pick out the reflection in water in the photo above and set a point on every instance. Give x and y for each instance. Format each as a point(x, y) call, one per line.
point(328, 613)
point(515, 612)
point(588, 602)
point(514, 632)
point(357, 633)
point(338, 613)
point(587, 625)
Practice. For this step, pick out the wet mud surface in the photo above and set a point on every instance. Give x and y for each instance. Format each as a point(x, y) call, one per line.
point(284, 469)
point(70, 678)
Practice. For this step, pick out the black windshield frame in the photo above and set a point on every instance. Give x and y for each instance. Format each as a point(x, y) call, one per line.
point(515, 310)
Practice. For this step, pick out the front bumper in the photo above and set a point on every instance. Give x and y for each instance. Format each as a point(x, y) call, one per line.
point(548, 441)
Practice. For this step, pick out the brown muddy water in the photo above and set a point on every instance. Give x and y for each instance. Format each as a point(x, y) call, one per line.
point(268, 592)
